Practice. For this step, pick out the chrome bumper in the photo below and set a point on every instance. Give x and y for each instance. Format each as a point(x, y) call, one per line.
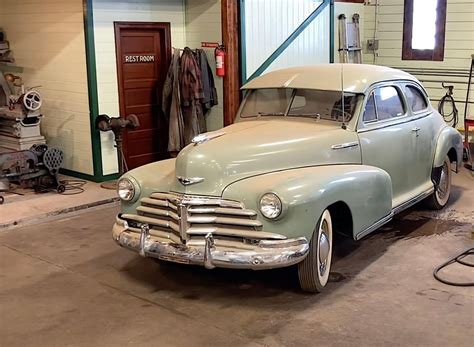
point(210, 252)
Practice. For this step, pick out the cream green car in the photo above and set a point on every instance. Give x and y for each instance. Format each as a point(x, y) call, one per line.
point(313, 151)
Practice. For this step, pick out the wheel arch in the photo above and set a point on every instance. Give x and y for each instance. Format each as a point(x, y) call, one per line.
point(341, 215)
point(449, 144)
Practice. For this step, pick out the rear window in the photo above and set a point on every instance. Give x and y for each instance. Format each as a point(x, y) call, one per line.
point(416, 99)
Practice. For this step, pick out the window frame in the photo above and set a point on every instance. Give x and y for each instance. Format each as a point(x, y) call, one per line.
point(436, 54)
point(377, 121)
point(423, 94)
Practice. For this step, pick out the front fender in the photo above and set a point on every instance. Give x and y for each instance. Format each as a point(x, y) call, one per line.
point(447, 139)
point(155, 177)
point(307, 192)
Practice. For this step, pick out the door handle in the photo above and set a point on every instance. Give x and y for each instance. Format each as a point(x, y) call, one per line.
point(416, 130)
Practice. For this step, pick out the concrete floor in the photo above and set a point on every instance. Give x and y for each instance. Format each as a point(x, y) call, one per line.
point(66, 283)
point(25, 206)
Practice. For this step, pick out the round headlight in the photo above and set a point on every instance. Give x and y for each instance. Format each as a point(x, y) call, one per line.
point(125, 189)
point(270, 206)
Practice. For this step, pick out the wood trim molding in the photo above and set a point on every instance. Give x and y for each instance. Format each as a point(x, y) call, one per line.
point(165, 28)
point(230, 38)
point(436, 54)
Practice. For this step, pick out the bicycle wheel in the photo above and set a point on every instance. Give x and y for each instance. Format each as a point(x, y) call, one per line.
point(447, 108)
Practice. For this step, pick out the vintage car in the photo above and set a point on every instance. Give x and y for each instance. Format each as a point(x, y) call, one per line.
point(313, 151)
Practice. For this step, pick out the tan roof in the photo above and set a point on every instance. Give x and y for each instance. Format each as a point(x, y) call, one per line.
point(357, 77)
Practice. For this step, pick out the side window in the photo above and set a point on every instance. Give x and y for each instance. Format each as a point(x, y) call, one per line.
point(369, 114)
point(388, 103)
point(416, 99)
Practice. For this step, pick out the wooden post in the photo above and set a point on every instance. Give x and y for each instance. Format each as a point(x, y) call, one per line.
point(230, 37)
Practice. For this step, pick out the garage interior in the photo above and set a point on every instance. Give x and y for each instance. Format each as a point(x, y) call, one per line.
point(70, 87)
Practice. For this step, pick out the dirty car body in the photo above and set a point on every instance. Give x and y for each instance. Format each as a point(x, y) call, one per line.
point(251, 194)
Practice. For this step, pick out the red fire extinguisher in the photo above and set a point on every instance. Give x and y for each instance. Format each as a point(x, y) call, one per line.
point(220, 60)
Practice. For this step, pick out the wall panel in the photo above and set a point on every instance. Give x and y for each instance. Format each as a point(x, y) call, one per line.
point(105, 13)
point(203, 23)
point(47, 39)
point(387, 27)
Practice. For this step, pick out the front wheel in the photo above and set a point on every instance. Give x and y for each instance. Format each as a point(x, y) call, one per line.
point(442, 191)
point(313, 271)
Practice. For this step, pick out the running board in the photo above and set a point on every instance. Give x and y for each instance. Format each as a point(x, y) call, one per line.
point(412, 201)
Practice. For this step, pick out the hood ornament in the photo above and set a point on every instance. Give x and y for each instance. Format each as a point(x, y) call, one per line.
point(187, 181)
point(201, 138)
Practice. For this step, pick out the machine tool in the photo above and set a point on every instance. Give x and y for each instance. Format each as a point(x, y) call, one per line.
point(35, 168)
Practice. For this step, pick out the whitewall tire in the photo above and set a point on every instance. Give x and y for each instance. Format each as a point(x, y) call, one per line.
point(313, 271)
point(440, 196)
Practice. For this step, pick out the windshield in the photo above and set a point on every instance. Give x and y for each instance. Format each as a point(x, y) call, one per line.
point(320, 104)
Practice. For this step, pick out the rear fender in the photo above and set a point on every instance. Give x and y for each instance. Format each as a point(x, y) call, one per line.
point(307, 192)
point(447, 139)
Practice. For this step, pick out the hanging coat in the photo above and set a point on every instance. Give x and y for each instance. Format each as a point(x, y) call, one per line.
point(208, 85)
point(191, 96)
point(171, 105)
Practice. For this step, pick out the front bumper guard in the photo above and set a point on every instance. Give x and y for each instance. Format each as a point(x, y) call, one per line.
point(267, 254)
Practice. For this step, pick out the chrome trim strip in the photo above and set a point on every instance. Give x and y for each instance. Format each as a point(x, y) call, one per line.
point(412, 201)
point(345, 145)
point(223, 210)
point(374, 226)
point(395, 211)
point(392, 123)
point(187, 181)
point(183, 222)
point(195, 200)
point(201, 138)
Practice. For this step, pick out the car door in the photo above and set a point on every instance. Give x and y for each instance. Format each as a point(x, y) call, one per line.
point(427, 126)
point(388, 141)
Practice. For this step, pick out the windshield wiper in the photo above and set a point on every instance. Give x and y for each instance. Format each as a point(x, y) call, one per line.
point(271, 114)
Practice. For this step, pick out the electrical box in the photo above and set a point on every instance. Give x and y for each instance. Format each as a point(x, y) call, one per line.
point(372, 45)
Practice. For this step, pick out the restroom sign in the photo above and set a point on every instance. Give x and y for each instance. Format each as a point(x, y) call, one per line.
point(139, 58)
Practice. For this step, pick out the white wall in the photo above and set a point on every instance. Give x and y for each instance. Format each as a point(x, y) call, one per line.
point(47, 39)
point(203, 23)
point(105, 13)
point(459, 45)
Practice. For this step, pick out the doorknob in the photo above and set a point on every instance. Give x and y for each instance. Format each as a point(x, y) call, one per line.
point(416, 130)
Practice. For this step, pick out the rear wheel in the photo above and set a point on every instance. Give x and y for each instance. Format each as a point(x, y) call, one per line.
point(313, 271)
point(442, 191)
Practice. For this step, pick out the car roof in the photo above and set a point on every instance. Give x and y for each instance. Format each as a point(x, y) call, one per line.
point(357, 77)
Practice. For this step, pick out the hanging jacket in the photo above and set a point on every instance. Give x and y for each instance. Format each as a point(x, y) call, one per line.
point(171, 105)
point(191, 96)
point(208, 85)
point(191, 83)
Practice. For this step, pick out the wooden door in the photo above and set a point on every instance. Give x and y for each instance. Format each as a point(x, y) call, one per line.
point(143, 58)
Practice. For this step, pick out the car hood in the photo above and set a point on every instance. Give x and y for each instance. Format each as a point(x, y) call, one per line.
point(252, 148)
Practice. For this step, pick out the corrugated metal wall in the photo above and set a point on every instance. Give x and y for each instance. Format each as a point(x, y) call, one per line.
point(387, 27)
point(268, 23)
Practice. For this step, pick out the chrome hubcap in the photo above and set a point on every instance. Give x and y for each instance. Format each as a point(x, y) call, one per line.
point(323, 252)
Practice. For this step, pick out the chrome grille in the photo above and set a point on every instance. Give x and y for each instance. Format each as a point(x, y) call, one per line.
point(183, 218)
